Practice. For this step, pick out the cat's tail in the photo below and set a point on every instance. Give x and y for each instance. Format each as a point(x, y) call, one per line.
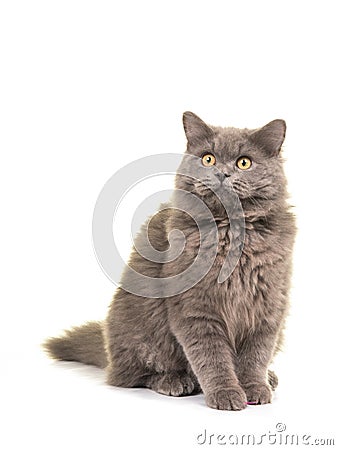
point(84, 344)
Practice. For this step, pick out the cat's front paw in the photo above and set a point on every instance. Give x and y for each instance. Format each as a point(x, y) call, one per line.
point(272, 379)
point(258, 393)
point(230, 399)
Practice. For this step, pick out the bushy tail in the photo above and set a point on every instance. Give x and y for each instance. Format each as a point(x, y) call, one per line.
point(84, 344)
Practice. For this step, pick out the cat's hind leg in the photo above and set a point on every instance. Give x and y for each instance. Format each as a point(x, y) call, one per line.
point(170, 381)
point(173, 383)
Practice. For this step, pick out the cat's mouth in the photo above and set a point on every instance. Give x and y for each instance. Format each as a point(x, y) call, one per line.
point(217, 187)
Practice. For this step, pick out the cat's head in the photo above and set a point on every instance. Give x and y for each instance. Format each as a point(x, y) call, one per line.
point(246, 161)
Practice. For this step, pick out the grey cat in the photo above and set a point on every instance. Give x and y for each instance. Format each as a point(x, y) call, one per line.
point(218, 338)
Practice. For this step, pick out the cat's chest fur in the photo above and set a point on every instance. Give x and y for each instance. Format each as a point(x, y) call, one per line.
point(253, 293)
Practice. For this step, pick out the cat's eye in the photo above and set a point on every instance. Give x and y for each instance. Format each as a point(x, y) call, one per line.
point(208, 160)
point(244, 163)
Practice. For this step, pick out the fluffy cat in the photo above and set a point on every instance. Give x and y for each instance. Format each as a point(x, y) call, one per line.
point(218, 338)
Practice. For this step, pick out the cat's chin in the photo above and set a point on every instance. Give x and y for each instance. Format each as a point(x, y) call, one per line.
point(251, 207)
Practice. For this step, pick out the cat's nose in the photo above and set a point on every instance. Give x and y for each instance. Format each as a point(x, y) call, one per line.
point(221, 176)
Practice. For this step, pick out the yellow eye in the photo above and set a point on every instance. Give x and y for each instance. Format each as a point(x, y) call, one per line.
point(208, 160)
point(244, 163)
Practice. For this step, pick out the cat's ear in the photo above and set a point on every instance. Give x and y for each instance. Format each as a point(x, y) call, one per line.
point(195, 129)
point(271, 136)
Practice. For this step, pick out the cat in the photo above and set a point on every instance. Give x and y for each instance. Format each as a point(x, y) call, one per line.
point(218, 338)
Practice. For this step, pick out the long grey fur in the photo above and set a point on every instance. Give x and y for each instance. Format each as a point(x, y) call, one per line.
point(219, 338)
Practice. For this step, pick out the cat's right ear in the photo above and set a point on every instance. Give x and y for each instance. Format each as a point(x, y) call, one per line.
point(195, 129)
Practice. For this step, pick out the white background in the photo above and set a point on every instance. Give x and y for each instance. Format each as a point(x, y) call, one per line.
point(87, 87)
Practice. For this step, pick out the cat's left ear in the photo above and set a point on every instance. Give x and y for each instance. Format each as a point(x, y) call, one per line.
point(270, 137)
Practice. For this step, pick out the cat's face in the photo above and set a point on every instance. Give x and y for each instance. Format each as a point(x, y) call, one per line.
point(247, 161)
